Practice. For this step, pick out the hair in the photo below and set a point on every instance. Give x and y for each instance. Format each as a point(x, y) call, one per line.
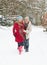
point(27, 18)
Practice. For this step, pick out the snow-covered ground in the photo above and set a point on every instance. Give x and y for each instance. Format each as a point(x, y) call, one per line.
point(38, 48)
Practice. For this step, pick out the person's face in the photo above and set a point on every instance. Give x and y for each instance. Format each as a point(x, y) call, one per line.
point(26, 20)
point(20, 20)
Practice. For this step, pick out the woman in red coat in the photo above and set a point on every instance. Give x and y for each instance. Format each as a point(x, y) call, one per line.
point(18, 33)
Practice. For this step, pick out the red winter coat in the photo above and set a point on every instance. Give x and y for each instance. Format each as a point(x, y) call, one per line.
point(18, 32)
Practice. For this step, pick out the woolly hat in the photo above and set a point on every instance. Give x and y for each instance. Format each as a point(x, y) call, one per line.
point(19, 17)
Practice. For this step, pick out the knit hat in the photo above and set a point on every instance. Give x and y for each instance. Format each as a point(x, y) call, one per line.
point(19, 17)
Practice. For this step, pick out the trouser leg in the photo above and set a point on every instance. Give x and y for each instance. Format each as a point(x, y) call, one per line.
point(20, 47)
point(26, 45)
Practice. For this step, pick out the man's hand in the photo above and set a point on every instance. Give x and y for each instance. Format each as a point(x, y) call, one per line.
point(24, 31)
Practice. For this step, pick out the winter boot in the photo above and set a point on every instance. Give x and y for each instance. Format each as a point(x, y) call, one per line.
point(26, 50)
point(20, 49)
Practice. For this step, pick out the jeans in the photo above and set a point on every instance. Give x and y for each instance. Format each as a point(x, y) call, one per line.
point(26, 45)
point(21, 44)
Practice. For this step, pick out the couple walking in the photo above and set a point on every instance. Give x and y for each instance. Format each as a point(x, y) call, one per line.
point(21, 30)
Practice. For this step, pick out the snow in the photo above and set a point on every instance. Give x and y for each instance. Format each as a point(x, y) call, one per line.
point(37, 54)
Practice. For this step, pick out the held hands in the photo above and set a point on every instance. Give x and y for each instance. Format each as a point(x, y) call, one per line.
point(24, 31)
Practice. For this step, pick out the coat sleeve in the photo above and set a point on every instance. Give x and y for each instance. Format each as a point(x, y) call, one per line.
point(15, 29)
point(29, 28)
